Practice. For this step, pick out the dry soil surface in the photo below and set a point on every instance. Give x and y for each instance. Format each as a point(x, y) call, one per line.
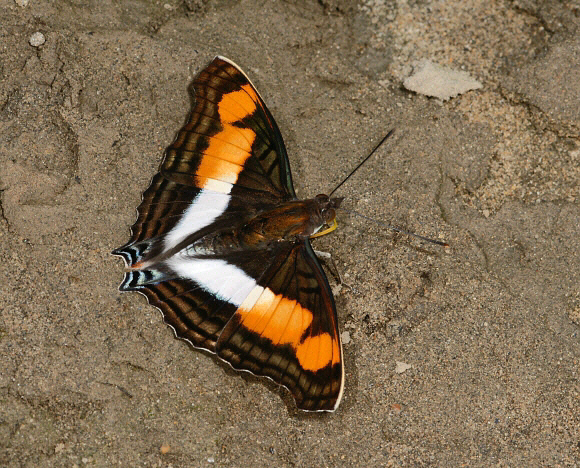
point(490, 326)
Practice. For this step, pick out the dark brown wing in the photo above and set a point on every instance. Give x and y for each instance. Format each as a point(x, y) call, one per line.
point(226, 164)
point(286, 329)
point(271, 312)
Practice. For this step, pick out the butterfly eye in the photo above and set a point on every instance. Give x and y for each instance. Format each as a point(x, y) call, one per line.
point(329, 215)
point(322, 197)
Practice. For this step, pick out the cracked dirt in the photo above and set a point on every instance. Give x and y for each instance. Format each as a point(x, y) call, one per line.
point(490, 327)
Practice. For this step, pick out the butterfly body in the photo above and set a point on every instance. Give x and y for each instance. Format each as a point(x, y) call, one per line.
point(293, 221)
point(221, 245)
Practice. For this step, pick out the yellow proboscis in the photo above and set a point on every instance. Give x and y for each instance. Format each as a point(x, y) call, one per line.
point(329, 229)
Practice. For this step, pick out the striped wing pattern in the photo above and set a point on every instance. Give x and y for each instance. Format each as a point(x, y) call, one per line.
point(268, 311)
point(286, 329)
point(230, 148)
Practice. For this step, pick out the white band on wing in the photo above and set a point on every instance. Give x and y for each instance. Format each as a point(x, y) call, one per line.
point(203, 211)
point(228, 282)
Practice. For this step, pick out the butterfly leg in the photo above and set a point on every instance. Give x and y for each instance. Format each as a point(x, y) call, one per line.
point(327, 259)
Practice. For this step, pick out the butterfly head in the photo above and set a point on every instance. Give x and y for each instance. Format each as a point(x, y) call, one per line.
point(327, 207)
point(324, 221)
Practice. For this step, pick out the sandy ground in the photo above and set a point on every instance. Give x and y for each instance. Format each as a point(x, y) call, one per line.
point(490, 327)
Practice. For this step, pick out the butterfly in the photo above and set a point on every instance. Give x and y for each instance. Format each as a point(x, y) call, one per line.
point(221, 245)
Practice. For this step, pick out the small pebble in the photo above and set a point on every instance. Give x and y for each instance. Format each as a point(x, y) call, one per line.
point(443, 83)
point(402, 367)
point(164, 449)
point(21, 3)
point(345, 337)
point(396, 407)
point(37, 39)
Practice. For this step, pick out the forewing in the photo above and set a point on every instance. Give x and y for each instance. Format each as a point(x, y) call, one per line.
point(226, 164)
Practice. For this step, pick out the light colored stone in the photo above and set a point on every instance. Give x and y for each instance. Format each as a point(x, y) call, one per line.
point(37, 39)
point(434, 80)
point(402, 367)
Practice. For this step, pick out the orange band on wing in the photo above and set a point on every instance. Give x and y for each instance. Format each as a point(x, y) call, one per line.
point(283, 321)
point(228, 165)
point(229, 149)
point(237, 105)
point(315, 352)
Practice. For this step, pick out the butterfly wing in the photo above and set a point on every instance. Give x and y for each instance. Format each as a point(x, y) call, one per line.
point(270, 312)
point(227, 164)
point(287, 329)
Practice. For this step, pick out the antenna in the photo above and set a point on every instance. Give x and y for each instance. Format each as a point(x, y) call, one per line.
point(393, 228)
point(361, 163)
